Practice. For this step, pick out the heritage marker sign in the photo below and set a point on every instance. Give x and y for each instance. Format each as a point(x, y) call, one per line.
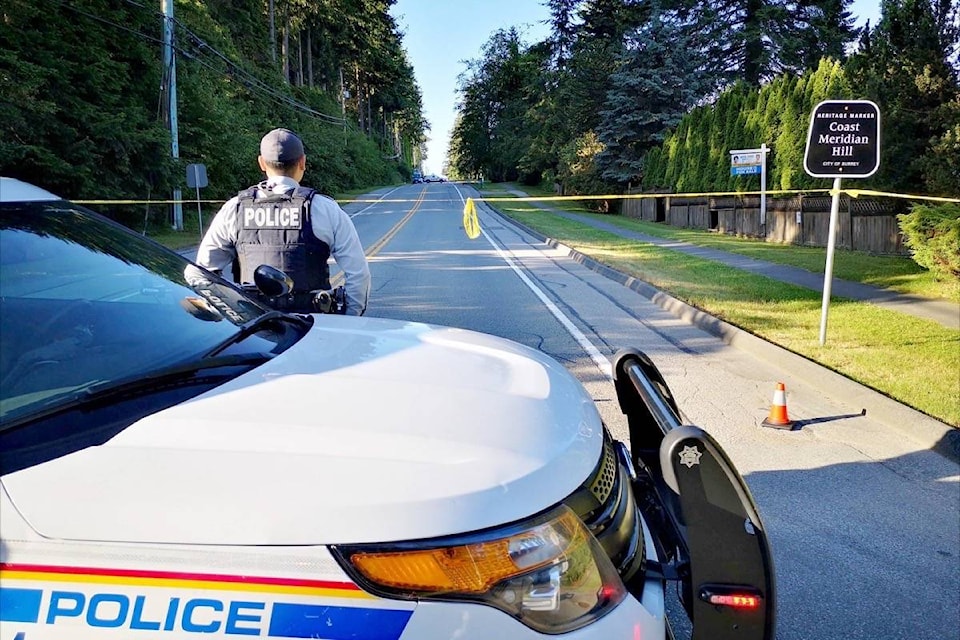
point(843, 140)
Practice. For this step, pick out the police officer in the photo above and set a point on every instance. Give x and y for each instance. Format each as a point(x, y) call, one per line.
point(290, 227)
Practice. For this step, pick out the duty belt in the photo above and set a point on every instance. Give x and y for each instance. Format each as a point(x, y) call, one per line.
point(320, 301)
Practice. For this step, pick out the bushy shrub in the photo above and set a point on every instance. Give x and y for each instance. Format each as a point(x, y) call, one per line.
point(578, 172)
point(932, 233)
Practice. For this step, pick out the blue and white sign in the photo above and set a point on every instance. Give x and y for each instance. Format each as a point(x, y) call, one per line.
point(745, 162)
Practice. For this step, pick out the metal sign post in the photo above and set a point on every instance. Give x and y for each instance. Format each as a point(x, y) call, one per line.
point(843, 141)
point(828, 268)
point(752, 161)
point(197, 178)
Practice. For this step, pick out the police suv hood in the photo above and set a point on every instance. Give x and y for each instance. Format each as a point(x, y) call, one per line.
point(366, 430)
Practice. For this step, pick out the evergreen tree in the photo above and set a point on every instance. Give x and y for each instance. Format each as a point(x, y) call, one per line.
point(822, 29)
point(495, 96)
point(654, 87)
point(72, 119)
point(562, 17)
point(595, 57)
point(695, 155)
point(756, 40)
point(86, 85)
point(905, 67)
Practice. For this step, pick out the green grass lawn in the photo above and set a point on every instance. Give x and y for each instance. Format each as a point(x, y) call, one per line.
point(912, 360)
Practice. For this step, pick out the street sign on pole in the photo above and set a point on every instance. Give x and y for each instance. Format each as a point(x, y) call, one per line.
point(196, 176)
point(843, 141)
point(196, 179)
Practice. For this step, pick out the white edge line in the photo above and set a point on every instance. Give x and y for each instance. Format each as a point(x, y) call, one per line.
point(602, 363)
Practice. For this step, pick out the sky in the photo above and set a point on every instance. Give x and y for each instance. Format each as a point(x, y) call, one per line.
point(441, 35)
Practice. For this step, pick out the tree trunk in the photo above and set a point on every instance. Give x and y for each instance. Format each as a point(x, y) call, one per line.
point(369, 111)
point(356, 69)
point(310, 58)
point(300, 78)
point(285, 53)
point(753, 64)
point(273, 32)
point(343, 99)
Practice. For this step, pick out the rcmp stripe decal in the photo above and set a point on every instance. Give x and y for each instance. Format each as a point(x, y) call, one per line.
point(133, 577)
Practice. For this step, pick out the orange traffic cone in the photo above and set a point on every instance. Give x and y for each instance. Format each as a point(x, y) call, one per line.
point(778, 418)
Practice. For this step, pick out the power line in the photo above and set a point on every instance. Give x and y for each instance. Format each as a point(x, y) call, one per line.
point(248, 80)
point(252, 82)
point(233, 72)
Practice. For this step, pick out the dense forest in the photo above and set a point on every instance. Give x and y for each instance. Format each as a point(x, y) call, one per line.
point(654, 94)
point(86, 85)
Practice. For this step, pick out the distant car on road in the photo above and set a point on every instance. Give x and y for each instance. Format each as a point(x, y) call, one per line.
point(431, 177)
point(417, 177)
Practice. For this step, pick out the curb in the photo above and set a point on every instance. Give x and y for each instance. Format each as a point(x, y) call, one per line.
point(938, 436)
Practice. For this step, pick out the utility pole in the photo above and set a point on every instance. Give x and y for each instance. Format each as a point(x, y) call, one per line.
point(170, 72)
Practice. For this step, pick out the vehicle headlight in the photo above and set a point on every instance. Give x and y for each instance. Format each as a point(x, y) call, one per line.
point(548, 572)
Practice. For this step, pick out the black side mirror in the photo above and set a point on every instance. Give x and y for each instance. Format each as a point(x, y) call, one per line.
point(272, 282)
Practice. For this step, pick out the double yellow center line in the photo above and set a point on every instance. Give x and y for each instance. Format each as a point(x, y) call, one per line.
point(377, 246)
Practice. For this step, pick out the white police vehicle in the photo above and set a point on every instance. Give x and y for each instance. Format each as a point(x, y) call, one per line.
point(179, 461)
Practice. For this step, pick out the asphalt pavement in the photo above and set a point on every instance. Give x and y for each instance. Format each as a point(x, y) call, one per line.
point(938, 435)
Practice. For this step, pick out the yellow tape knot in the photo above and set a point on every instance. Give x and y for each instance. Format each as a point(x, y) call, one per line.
point(470, 223)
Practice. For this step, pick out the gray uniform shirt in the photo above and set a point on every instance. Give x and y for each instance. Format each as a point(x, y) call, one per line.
point(330, 223)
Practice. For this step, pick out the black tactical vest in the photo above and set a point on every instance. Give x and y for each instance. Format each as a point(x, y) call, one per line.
point(276, 230)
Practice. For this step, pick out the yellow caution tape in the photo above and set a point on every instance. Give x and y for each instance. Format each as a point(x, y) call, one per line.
point(640, 196)
point(853, 193)
point(856, 193)
point(470, 223)
point(88, 202)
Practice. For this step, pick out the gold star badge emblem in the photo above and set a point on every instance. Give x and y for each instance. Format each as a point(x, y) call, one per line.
point(690, 456)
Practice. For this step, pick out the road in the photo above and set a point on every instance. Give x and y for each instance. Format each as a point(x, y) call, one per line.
point(863, 517)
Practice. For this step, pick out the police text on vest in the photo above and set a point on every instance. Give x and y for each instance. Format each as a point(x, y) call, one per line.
point(271, 217)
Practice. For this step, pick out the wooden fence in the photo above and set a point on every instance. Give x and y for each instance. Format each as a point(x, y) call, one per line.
point(863, 224)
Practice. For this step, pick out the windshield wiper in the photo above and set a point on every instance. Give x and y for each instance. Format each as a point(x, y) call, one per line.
point(178, 375)
point(257, 324)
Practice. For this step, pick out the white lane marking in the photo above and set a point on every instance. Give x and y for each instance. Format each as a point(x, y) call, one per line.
point(372, 204)
point(602, 363)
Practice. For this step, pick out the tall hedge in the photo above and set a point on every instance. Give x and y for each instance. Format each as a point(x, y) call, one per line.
point(696, 156)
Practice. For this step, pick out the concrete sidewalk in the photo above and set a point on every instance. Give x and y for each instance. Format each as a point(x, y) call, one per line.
point(945, 312)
